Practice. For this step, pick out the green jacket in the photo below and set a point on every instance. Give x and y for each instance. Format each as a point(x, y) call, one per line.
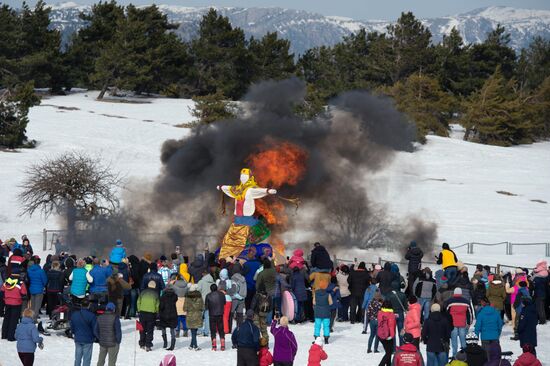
point(193, 306)
point(266, 280)
point(148, 301)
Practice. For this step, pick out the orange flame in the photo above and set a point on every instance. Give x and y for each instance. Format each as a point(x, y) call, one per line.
point(274, 165)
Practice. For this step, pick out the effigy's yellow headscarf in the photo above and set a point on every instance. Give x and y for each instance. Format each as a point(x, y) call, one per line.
point(239, 192)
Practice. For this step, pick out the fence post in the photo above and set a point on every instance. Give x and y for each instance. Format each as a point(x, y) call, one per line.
point(498, 268)
point(471, 248)
point(511, 248)
point(548, 249)
point(44, 239)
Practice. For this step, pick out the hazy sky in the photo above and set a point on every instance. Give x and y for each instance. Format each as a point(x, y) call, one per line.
point(358, 9)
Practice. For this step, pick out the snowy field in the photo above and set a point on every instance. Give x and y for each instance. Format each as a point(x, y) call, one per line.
point(447, 181)
point(347, 347)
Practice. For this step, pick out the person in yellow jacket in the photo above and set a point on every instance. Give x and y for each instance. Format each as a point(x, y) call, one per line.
point(184, 272)
point(448, 260)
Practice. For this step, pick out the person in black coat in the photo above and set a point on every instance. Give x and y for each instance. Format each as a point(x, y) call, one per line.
point(168, 316)
point(215, 303)
point(54, 287)
point(436, 334)
point(385, 279)
point(527, 326)
point(246, 338)
point(414, 256)
point(320, 259)
point(359, 279)
point(475, 354)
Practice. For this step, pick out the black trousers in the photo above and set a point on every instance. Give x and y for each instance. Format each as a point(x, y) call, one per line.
point(249, 296)
point(216, 325)
point(246, 356)
point(540, 302)
point(11, 319)
point(52, 301)
point(388, 349)
point(26, 358)
point(147, 321)
point(355, 311)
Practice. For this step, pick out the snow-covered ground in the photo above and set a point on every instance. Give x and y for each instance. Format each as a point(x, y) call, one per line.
point(447, 181)
point(347, 346)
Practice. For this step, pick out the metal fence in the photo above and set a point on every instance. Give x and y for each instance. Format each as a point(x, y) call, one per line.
point(509, 246)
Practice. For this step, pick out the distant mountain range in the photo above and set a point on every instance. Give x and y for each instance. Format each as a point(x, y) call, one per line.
point(306, 30)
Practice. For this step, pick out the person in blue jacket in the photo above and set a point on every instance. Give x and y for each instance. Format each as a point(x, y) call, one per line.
point(246, 338)
point(79, 278)
point(488, 324)
point(367, 298)
point(37, 284)
point(100, 273)
point(83, 323)
point(118, 253)
point(28, 338)
point(527, 326)
point(249, 270)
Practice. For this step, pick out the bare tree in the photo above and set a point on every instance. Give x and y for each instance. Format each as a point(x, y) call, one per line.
point(73, 184)
point(351, 220)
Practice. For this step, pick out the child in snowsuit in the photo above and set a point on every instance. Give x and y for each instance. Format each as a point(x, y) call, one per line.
point(27, 338)
point(322, 301)
point(316, 353)
point(265, 358)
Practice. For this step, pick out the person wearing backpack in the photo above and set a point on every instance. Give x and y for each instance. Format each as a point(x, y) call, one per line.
point(261, 305)
point(239, 296)
point(386, 331)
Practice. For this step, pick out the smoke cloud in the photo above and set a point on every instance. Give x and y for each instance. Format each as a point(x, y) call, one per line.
point(358, 134)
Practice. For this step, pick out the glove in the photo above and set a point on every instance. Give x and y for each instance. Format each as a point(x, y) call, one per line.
point(272, 191)
point(41, 345)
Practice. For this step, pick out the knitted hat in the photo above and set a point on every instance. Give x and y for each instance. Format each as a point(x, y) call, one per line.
point(458, 291)
point(408, 338)
point(519, 271)
point(472, 338)
point(263, 342)
point(444, 279)
point(319, 341)
point(435, 308)
point(461, 356)
point(193, 287)
point(148, 256)
point(152, 284)
point(378, 267)
point(119, 242)
point(110, 307)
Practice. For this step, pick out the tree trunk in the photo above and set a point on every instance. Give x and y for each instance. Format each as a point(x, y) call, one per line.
point(103, 91)
point(71, 226)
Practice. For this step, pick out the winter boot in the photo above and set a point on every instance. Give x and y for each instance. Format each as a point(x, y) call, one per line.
point(165, 341)
point(185, 334)
point(41, 329)
point(177, 333)
point(222, 341)
point(172, 344)
point(326, 340)
point(214, 347)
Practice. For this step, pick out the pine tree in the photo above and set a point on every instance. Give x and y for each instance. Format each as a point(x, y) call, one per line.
point(536, 107)
point(10, 31)
point(271, 58)
point(495, 114)
point(421, 98)
point(410, 45)
point(14, 108)
point(222, 61)
point(534, 64)
point(211, 108)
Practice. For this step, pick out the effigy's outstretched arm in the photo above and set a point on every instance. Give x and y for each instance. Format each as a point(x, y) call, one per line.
point(256, 193)
point(225, 189)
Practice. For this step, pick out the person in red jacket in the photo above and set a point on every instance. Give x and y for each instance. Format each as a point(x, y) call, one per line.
point(265, 358)
point(412, 320)
point(386, 331)
point(408, 354)
point(316, 353)
point(527, 358)
point(14, 291)
point(461, 314)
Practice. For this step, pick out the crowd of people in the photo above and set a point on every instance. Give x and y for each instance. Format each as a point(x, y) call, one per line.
point(457, 313)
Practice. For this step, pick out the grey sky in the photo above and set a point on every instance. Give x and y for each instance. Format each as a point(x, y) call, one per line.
point(358, 9)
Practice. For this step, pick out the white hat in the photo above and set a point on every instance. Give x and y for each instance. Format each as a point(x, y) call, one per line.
point(458, 291)
point(319, 341)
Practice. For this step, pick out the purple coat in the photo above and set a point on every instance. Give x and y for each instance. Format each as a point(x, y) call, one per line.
point(285, 344)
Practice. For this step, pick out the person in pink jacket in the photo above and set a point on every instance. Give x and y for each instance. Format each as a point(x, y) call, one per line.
point(297, 260)
point(412, 320)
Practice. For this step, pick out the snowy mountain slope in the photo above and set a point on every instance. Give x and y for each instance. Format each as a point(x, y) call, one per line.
point(306, 30)
point(447, 181)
